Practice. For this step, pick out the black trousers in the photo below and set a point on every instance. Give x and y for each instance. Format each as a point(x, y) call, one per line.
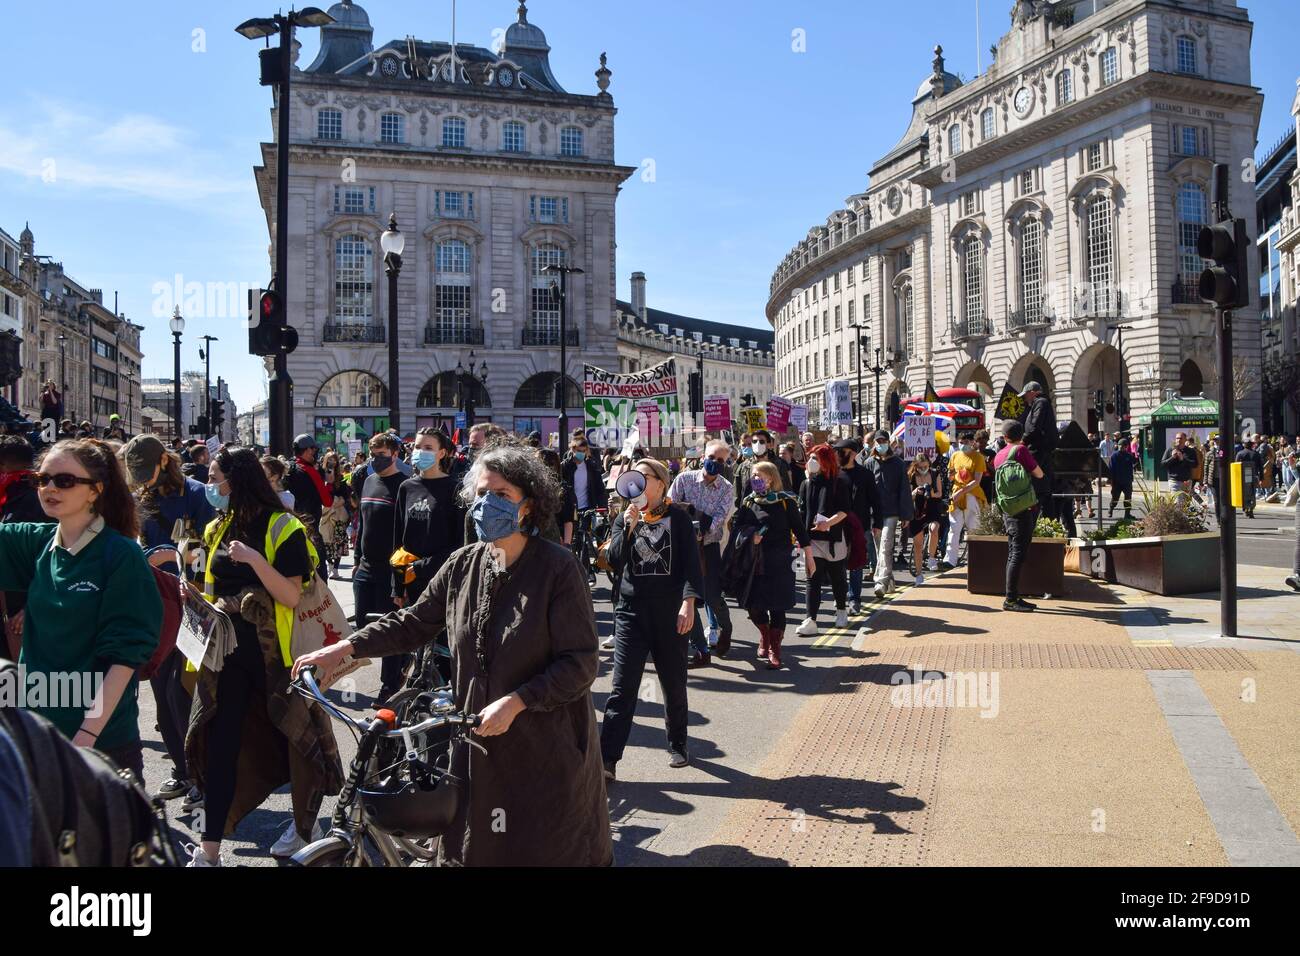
point(1020, 530)
point(834, 571)
point(1043, 487)
point(173, 705)
point(643, 628)
point(1122, 491)
point(242, 676)
point(128, 757)
point(762, 617)
point(375, 596)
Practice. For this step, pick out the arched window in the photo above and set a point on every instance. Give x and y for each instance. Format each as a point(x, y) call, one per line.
point(544, 305)
point(1187, 55)
point(453, 131)
point(451, 290)
point(354, 272)
point(972, 280)
point(1191, 382)
point(986, 124)
point(1099, 252)
point(442, 391)
point(1031, 270)
point(571, 141)
point(512, 137)
point(1193, 213)
point(1064, 88)
point(352, 390)
point(539, 392)
point(954, 139)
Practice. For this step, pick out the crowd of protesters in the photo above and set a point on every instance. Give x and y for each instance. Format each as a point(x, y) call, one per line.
point(482, 543)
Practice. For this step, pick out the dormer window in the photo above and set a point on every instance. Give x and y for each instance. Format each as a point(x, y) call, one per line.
point(698, 336)
point(680, 333)
point(752, 344)
point(716, 340)
point(663, 328)
point(734, 343)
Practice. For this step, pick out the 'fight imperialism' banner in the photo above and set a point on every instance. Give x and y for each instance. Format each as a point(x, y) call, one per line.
point(611, 401)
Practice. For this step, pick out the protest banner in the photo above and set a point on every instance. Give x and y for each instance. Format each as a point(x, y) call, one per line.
point(717, 412)
point(918, 436)
point(753, 419)
point(610, 401)
point(1011, 406)
point(778, 414)
point(799, 417)
point(839, 403)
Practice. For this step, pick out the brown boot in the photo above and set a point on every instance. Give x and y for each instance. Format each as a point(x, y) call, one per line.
point(762, 642)
point(774, 637)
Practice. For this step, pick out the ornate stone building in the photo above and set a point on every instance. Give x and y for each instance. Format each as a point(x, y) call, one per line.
point(494, 172)
point(1028, 215)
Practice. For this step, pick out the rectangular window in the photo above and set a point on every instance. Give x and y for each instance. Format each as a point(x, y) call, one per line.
point(354, 200)
point(1095, 157)
point(1064, 88)
point(551, 209)
point(1026, 182)
point(512, 137)
point(1187, 55)
point(839, 360)
point(849, 276)
point(836, 283)
point(986, 124)
point(826, 327)
point(392, 128)
point(837, 318)
point(852, 303)
point(453, 131)
point(571, 141)
point(1031, 270)
point(826, 361)
point(814, 291)
point(1109, 66)
point(454, 204)
point(329, 124)
point(968, 204)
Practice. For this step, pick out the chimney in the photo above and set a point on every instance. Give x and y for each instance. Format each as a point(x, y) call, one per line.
point(638, 294)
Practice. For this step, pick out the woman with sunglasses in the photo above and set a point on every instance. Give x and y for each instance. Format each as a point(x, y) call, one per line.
point(241, 748)
point(93, 612)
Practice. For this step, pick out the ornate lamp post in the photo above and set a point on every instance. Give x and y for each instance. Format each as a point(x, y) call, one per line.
point(392, 242)
point(178, 326)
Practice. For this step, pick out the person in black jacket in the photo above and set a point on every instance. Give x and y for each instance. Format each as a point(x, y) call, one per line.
point(825, 500)
point(866, 502)
point(429, 520)
point(374, 581)
point(1042, 437)
point(652, 547)
point(18, 502)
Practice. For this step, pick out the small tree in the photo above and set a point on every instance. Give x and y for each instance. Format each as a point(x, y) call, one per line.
point(1245, 376)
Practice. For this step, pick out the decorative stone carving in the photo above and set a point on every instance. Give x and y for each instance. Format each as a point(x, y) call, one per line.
point(361, 120)
point(483, 129)
point(312, 98)
point(541, 133)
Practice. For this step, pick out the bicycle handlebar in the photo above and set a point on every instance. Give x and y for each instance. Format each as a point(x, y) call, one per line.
point(306, 684)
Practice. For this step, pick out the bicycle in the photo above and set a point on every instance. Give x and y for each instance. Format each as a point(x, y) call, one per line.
point(589, 534)
point(391, 812)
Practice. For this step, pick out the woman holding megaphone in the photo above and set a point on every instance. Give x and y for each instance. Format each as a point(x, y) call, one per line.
point(653, 549)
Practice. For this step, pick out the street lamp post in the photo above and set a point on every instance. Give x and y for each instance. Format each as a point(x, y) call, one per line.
point(392, 242)
point(178, 326)
point(562, 386)
point(277, 69)
point(466, 379)
point(130, 394)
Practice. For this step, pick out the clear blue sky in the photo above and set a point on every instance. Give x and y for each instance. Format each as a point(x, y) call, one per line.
point(153, 143)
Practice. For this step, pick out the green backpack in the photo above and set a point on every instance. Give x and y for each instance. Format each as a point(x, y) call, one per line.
point(1013, 487)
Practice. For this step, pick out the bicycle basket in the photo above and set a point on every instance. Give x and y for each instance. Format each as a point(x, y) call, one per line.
point(411, 808)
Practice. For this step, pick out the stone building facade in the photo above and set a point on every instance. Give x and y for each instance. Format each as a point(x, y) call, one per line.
point(1035, 219)
point(1279, 291)
point(493, 172)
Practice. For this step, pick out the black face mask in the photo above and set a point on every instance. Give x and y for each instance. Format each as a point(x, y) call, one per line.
point(381, 462)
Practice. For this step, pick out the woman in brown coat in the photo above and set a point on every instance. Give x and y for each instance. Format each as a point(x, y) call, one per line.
point(522, 634)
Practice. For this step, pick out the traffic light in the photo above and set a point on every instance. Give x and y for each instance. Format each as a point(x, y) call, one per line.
point(201, 427)
point(218, 412)
point(268, 330)
point(1226, 283)
point(697, 393)
point(1099, 403)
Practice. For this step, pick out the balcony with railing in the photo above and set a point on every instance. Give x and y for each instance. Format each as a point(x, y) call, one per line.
point(1097, 302)
point(971, 328)
point(1028, 319)
point(547, 338)
point(1184, 291)
point(355, 334)
point(453, 335)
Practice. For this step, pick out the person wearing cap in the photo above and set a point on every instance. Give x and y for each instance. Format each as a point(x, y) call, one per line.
point(866, 502)
point(895, 496)
point(1042, 436)
point(173, 510)
point(311, 492)
point(653, 549)
point(115, 431)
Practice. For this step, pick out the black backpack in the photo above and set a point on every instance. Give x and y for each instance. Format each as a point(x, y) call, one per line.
point(85, 811)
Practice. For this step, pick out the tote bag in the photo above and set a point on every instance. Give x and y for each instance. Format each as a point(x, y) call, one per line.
point(319, 621)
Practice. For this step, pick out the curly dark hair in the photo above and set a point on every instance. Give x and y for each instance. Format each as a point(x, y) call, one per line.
point(519, 464)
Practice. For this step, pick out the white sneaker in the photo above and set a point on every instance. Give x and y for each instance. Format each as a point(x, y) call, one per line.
point(841, 618)
point(713, 637)
point(807, 629)
point(198, 858)
point(608, 643)
point(932, 564)
point(290, 842)
point(879, 589)
point(920, 579)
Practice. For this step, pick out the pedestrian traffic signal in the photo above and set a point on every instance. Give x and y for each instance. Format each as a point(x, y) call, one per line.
point(218, 413)
point(697, 392)
point(1226, 282)
point(201, 427)
point(1099, 403)
point(268, 330)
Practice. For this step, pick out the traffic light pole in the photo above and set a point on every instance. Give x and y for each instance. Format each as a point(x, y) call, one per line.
point(1227, 510)
point(280, 385)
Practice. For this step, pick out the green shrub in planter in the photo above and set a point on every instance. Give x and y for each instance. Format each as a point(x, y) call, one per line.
point(1049, 528)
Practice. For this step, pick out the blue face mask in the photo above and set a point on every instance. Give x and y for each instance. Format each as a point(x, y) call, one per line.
point(579, 455)
point(494, 517)
point(711, 466)
point(216, 498)
point(424, 459)
point(747, 452)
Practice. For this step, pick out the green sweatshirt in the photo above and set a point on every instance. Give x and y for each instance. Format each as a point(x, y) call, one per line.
point(85, 613)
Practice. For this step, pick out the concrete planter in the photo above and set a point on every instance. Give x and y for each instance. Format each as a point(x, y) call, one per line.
point(986, 565)
point(1169, 565)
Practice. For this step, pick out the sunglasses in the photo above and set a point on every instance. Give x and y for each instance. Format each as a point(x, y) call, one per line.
point(63, 481)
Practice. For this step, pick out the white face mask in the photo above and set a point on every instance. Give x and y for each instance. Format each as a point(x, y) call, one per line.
point(814, 466)
point(760, 448)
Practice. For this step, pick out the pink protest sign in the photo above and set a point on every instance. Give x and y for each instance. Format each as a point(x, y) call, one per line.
point(717, 412)
point(778, 413)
